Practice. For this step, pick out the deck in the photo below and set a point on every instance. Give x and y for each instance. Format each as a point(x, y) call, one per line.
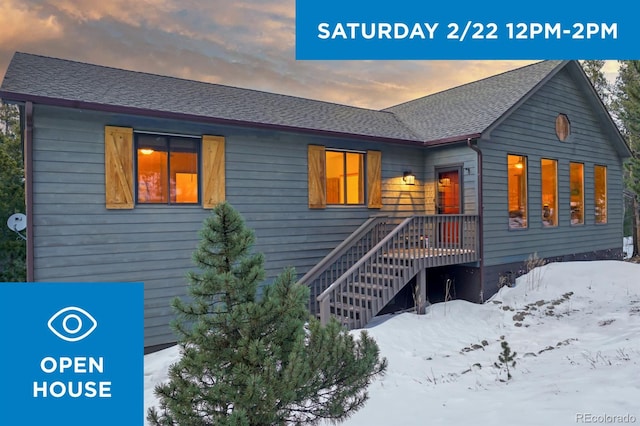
point(466, 255)
point(357, 279)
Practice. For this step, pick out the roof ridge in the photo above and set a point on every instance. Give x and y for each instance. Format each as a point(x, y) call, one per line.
point(473, 82)
point(66, 82)
point(471, 108)
point(71, 61)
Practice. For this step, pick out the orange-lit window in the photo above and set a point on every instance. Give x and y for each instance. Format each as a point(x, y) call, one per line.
point(517, 189)
point(600, 193)
point(549, 178)
point(576, 188)
point(345, 177)
point(167, 169)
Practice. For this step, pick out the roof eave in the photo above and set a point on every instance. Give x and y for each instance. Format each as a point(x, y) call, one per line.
point(486, 133)
point(451, 140)
point(620, 144)
point(612, 129)
point(120, 109)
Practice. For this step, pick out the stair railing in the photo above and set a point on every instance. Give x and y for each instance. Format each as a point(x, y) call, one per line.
point(416, 243)
point(340, 259)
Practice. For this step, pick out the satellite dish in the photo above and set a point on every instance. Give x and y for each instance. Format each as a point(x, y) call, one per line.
point(17, 222)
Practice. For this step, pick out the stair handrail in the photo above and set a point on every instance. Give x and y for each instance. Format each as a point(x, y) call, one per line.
point(341, 248)
point(403, 252)
point(365, 258)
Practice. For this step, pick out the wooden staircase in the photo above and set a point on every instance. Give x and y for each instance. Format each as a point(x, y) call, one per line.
point(367, 293)
point(357, 279)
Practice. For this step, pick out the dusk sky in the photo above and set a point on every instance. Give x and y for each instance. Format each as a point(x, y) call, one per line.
point(246, 43)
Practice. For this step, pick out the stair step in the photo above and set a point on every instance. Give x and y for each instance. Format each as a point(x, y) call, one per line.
point(353, 297)
point(345, 310)
point(393, 263)
point(350, 317)
point(377, 277)
point(396, 258)
point(369, 290)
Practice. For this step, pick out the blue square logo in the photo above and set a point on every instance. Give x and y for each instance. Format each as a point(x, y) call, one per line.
point(73, 354)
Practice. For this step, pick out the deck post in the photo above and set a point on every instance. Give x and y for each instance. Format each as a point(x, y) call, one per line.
point(325, 312)
point(421, 284)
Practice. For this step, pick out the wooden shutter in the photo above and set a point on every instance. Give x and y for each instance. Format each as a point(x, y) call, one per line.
point(118, 167)
point(317, 177)
point(374, 179)
point(213, 171)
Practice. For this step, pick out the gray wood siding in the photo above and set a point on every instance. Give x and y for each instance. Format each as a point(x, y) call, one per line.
point(77, 239)
point(530, 131)
point(446, 156)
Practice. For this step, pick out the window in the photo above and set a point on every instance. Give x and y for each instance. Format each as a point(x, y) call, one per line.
point(167, 169)
point(170, 169)
point(517, 189)
point(338, 178)
point(549, 179)
point(600, 193)
point(345, 177)
point(576, 187)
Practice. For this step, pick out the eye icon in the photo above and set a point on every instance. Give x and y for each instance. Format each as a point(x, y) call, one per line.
point(68, 324)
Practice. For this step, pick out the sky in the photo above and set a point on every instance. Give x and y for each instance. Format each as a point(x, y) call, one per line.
point(245, 43)
point(575, 331)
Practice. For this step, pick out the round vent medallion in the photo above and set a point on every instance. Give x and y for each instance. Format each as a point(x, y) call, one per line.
point(563, 127)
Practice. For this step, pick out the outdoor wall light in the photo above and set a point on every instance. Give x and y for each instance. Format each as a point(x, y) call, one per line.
point(409, 178)
point(146, 151)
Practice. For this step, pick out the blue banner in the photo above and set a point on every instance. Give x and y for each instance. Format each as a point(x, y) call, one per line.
point(412, 29)
point(72, 354)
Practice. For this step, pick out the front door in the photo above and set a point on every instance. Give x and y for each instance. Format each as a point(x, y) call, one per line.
point(449, 192)
point(449, 202)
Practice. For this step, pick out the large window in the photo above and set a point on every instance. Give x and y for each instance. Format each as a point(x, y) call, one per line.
point(345, 177)
point(517, 189)
point(576, 187)
point(167, 169)
point(549, 179)
point(600, 193)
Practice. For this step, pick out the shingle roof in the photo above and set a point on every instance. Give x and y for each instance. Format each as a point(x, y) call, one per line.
point(473, 107)
point(75, 81)
point(464, 110)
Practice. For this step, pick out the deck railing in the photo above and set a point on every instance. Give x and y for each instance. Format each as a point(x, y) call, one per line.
point(376, 277)
point(345, 255)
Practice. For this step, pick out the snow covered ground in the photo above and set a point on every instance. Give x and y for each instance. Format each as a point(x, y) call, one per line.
point(575, 327)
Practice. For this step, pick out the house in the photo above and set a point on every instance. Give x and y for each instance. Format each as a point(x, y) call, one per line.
point(450, 192)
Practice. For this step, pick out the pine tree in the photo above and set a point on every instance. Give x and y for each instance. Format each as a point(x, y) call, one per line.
point(593, 69)
point(506, 359)
point(12, 247)
point(248, 361)
point(627, 109)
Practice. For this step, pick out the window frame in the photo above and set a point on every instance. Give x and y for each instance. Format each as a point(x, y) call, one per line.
point(168, 137)
point(556, 214)
point(606, 195)
point(526, 192)
point(363, 181)
point(457, 167)
point(583, 221)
